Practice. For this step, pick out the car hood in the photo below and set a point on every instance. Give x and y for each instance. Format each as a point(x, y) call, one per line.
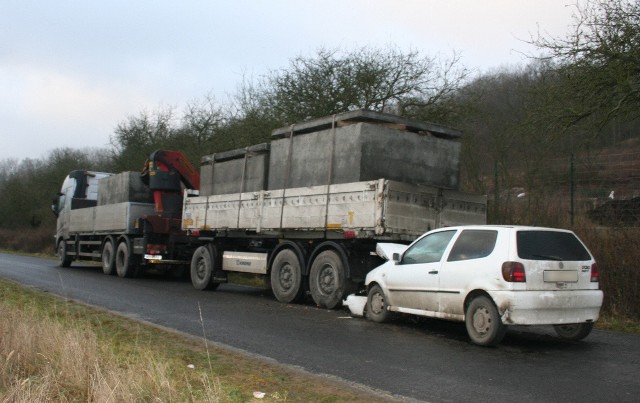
point(386, 250)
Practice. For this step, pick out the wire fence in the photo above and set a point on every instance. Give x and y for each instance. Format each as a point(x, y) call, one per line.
point(596, 195)
point(591, 190)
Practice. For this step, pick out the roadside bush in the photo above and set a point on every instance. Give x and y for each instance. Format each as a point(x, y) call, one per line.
point(30, 240)
point(617, 253)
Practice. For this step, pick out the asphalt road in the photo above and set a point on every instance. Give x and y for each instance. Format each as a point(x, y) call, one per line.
point(419, 359)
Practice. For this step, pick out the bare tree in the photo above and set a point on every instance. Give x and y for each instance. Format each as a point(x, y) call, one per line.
point(377, 79)
point(598, 63)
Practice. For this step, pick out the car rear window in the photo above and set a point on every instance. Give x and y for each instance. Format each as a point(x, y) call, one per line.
point(473, 244)
point(550, 245)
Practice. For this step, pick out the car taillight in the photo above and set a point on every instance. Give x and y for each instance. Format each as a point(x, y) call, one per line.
point(595, 275)
point(513, 272)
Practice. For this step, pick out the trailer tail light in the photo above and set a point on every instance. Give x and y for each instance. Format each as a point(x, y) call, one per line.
point(513, 272)
point(153, 249)
point(349, 234)
point(595, 274)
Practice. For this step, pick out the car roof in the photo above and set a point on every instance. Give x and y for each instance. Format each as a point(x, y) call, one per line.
point(502, 227)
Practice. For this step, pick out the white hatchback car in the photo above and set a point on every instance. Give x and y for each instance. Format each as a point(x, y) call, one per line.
point(490, 277)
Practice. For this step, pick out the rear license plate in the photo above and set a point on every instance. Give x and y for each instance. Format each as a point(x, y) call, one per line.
point(565, 276)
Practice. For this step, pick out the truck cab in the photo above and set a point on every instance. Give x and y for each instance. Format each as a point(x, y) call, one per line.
point(79, 190)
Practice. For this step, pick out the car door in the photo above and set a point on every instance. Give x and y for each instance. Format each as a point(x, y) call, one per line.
point(413, 282)
point(472, 262)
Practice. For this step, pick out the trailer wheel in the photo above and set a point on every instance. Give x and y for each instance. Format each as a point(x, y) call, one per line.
point(327, 280)
point(286, 276)
point(108, 258)
point(125, 265)
point(202, 269)
point(63, 258)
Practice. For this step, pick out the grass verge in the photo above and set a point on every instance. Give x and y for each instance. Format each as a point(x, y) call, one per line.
point(618, 324)
point(52, 349)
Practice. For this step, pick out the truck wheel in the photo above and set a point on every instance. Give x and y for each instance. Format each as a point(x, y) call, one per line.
point(108, 258)
point(63, 258)
point(202, 269)
point(377, 305)
point(286, 276)
point(574, 331)
point(327, 280)
point(125, 266)
point(483, 322)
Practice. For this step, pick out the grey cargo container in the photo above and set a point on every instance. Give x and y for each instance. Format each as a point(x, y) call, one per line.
point(241, 170)
point(349, 147)
point(364, 145)
point(123, 187)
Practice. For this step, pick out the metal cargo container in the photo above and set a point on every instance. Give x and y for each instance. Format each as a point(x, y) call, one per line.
point(123, 187)
point(241, 170)
point(364, 145)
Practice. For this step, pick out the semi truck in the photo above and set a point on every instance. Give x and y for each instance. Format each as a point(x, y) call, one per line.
point(304, 210)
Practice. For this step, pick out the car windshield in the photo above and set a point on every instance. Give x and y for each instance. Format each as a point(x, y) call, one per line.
point(550, 245)
point(428, 249)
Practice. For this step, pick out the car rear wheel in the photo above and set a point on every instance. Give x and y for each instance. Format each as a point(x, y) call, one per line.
point(483, 322)
point(574, 331)
point(377, 305)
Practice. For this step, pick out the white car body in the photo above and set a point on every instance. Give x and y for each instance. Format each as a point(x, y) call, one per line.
point(560, 289)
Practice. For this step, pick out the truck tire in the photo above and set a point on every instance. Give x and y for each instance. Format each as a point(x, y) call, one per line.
point(125, 265)
point(327, 280)
point(202, 269)
point(108, 258)
point(63, 258)
point(286, 276)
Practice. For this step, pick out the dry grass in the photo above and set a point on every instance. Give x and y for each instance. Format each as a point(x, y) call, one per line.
point(44, 360)
point(56, 350)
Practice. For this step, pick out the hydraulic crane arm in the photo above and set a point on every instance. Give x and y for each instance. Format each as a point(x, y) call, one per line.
point(159, 170)
point(164, 173)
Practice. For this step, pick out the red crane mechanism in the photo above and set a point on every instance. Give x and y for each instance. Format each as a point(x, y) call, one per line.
point(165, 173)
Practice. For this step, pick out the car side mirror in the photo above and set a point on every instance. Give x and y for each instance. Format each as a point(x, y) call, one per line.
point(396, 258)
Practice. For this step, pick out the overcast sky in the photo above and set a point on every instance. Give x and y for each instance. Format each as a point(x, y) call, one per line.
point(70, 71)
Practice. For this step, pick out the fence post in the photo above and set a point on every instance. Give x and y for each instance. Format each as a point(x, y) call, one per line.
point(496, 193)
point(571, 188)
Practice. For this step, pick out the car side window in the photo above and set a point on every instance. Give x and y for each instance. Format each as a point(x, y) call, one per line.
point(428, 249)
point(473, 244)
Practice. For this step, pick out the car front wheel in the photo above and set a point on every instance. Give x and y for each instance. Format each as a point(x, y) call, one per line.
point(574, 331)
point(377, 305)
point(483, 322)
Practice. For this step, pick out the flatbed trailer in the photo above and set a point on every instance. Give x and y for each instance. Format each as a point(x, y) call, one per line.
point(319, 239)
point(383, 210)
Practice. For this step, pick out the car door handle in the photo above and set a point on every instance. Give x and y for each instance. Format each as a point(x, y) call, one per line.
point(433, 272)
